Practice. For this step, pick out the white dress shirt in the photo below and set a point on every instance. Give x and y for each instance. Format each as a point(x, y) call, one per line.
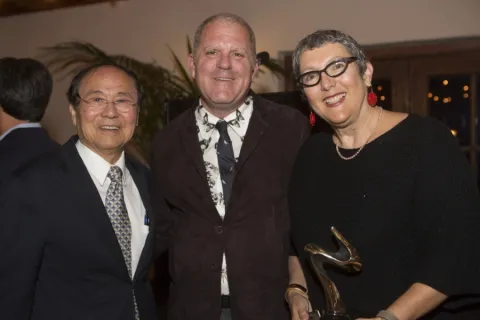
point(20, 126)
point(98, 169)
point(208, 136)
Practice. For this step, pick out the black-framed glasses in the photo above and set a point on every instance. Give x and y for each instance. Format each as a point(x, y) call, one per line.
point(333, 69)
point(122, 105)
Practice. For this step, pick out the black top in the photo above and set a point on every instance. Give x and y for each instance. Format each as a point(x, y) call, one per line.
point(408, 203)
point(21, 146)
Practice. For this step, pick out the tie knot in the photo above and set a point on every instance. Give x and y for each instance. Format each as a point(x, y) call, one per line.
point(222, 126)
point(115, 174)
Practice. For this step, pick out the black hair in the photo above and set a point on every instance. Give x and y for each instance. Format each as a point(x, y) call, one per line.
point(25, 88)
point(73, 90)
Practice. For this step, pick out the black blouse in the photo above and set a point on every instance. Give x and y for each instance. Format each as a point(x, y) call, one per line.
point(410, 206)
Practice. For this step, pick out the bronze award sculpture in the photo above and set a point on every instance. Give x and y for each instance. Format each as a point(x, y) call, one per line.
point(347, 259)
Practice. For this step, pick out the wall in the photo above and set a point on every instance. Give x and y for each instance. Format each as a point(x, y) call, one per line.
point(142, 28)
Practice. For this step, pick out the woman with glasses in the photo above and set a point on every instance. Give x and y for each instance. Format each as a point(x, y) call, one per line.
point(395, 185)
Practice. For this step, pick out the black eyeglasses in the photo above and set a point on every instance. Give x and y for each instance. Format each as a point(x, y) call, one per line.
point(333, 69)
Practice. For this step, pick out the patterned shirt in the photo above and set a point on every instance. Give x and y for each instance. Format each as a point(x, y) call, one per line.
point(208, 136)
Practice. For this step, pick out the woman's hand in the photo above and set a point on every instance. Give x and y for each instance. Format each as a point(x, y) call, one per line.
point(368, 319)
point(299, 305)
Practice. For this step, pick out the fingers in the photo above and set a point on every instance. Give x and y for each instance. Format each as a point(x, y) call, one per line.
point(299, 307)
point(295, 314)
point(299, 314)
point(304, 315)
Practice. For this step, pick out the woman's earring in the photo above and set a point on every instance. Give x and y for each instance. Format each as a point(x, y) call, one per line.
point(372, 97)
point(312, 119)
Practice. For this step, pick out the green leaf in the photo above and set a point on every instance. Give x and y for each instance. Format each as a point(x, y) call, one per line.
point(159, 84)
point(190, 84)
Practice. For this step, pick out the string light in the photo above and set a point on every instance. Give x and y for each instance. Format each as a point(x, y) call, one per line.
point(430, 95)
point(465, 95)
point(435, 98)
point(382, 98)
point(465, 88)
point(445, 82)
point(379, 88)
point(454, 132)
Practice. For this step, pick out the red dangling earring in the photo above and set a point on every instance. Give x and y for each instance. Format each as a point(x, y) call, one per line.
point(372, 98)
point(312, 119)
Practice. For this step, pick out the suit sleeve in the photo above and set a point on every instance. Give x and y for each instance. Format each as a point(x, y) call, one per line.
point(22, 241)
point(163, 217)
point(305, 131)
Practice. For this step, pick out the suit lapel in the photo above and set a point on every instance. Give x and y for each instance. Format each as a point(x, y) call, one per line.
point(191, 144)
point(88, 201)
point(189, 137)
point(142, 186)
point(256, 128)
point(255, 132)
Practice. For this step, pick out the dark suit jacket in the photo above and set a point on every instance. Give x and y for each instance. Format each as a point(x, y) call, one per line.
point(255, 231)
point(60, 258)
point(20, 147)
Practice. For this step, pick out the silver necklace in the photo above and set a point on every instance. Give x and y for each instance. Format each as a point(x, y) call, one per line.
point(361, 148)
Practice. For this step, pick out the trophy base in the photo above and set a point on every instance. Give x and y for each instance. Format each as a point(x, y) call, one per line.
point(315, 315)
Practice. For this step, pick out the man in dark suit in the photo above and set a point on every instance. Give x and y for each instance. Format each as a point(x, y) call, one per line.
point(75, 241)
point(25, 89)
point(220, 173)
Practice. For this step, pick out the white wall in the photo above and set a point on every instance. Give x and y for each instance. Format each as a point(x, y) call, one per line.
point(142, 28)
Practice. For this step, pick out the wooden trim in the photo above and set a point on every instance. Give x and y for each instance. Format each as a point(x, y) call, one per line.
point(411, 49)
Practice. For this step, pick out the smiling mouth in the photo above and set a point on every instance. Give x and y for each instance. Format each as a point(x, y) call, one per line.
point(335, 99)
point(110, 128)
point(223, 79)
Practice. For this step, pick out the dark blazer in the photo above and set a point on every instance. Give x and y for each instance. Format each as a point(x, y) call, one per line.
point(20, 147)
point(60, 258)
point(255, 231)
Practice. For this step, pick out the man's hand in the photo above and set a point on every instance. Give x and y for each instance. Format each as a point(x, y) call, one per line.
point(299, 306)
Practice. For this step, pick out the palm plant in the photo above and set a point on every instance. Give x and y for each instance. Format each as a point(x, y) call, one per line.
point(159, 84)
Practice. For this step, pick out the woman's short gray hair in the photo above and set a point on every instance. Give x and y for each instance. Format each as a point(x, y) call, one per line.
point(322, 37)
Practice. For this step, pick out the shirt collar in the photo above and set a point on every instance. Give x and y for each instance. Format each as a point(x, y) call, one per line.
point(238, 120)
point(99, 167)
point(21, 126)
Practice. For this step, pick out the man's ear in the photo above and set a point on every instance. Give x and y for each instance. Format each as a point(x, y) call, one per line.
point(255, 70)
point(73, 114)
point(191, 65)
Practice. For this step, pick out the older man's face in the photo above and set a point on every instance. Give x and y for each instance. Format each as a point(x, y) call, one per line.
point(223, 66)
point(106, 129)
